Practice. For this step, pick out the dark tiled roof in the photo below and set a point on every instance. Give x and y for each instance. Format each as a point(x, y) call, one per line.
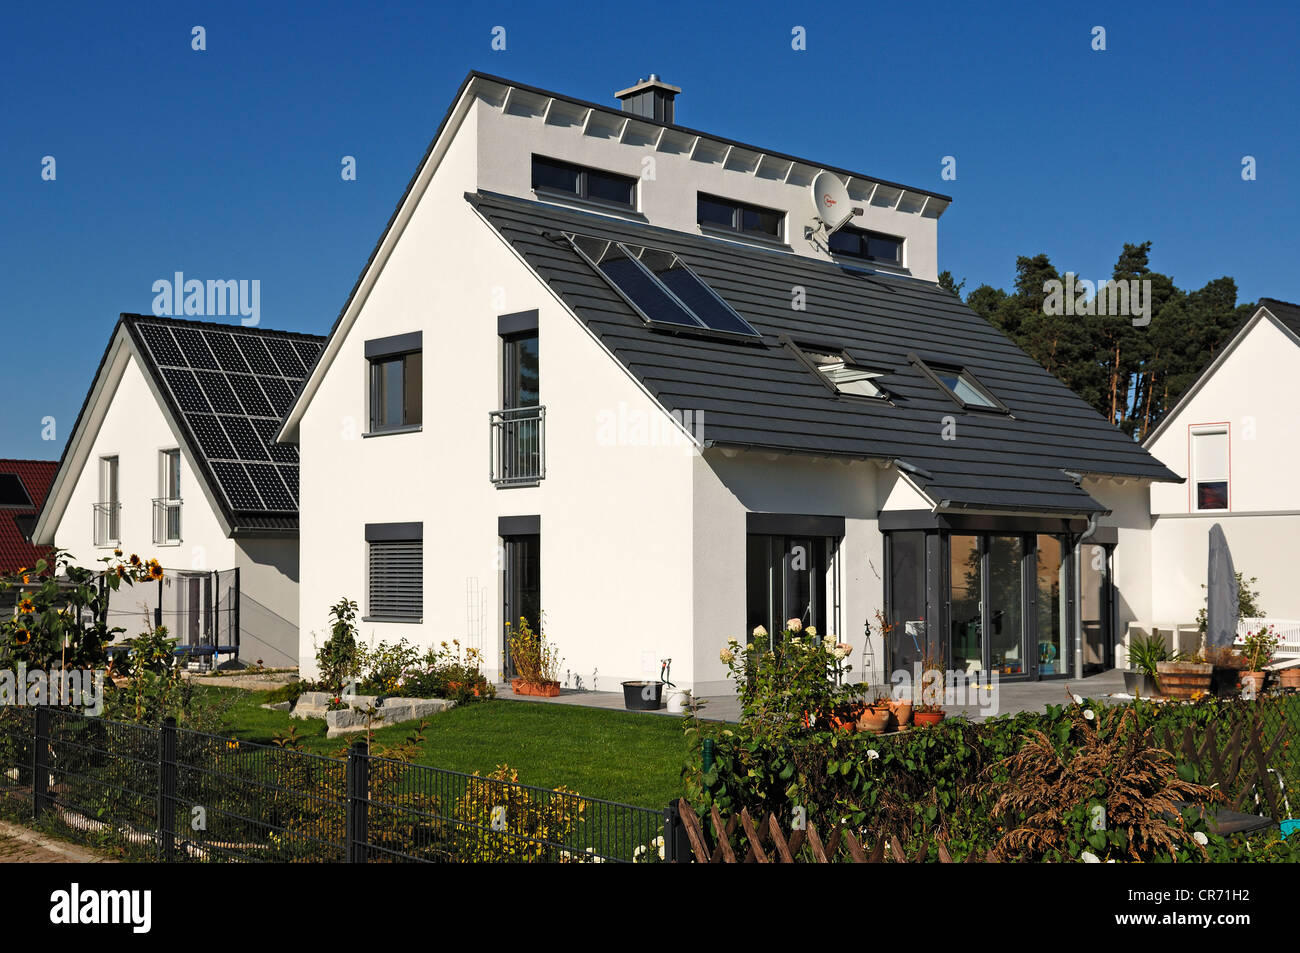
point(765, 397)
point(1284, 311)
point(229, 387)
point(16, 521)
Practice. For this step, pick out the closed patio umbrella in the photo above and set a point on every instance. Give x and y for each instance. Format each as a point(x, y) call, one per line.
point(1220, 592)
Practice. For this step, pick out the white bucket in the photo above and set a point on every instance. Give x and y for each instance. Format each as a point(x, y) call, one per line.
point(678, 700)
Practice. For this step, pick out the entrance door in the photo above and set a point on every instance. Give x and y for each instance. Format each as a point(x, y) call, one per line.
point(523, 590)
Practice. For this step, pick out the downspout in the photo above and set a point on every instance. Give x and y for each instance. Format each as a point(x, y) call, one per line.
point(1077, 614)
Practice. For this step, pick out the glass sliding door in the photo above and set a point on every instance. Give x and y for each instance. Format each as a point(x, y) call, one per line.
point(965, 604)
point(1095, 607)
point(907, 640)
point(1004, 612)
point(1050, 583)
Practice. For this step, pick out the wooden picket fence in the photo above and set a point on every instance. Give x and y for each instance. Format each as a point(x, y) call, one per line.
point(768, 843)
point(1239, 768)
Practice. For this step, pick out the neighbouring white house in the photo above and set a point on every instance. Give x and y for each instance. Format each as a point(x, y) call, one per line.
point(1235, 437)
point(620, 373)
point(173, 456)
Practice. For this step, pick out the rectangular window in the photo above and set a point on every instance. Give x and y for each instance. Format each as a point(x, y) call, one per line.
point(583, 182)
point(1210, 468)
point(108, 510)
point(869, 246)
point(395, 572)
point(715, 212)
point(907, 639)
point(167, 505)
point(396, 392)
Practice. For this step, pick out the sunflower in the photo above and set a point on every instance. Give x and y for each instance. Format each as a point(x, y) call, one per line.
point(155, 570)
point(26, 606)
point(117, 553)
point(22, 637)
point(135, 560)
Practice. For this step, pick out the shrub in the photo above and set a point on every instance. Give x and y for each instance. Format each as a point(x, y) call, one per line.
point(1104, 788)
point(500, 820)
point(535, 660)
point(339, 659)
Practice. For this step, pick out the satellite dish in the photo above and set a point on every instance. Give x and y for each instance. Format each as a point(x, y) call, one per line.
point(831, 200)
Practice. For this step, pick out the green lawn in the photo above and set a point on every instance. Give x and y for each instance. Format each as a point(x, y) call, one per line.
point(619, 756)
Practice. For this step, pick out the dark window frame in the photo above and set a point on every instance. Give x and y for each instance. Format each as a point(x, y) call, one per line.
point(583, 183)
point(804, 353)
point(865, 235)
point(738, 210)
point(932, 369)
point(393, 537)
point(399, 349)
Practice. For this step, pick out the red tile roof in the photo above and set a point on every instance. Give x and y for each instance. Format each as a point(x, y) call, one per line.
point(36, 476)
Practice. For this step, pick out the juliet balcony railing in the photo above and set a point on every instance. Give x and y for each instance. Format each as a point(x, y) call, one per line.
point(166, 521)
point(517, 453)
point(108, 524)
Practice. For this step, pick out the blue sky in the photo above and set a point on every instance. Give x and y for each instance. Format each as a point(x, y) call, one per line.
point(225, 163)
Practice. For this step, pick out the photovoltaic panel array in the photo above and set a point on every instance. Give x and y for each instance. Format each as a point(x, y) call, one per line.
point(232, 387)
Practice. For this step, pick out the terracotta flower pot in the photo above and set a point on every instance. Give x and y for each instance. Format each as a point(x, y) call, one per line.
point(902, 711)
point(923, 718)
point(1253, 678)
point(1290, 677)
point(542, 689)
point(873, 720)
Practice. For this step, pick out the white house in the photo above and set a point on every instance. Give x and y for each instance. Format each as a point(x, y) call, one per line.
point(173, 456)
point(611, 369)
point(1234, 437)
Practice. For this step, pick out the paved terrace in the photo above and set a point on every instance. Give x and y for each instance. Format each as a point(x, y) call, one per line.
point(1012, 697)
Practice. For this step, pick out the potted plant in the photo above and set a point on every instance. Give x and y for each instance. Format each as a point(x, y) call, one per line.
point(1258, 650)
point(873, 719)
point(1144, 657)
point(1185, 679)
point(536, 661)
point(927, 700)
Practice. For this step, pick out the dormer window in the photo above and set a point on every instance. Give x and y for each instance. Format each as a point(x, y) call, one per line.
point(583, 183)
point(712, 212)
point(869, 246)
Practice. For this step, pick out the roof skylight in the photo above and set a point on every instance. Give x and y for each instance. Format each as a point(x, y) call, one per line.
point(961, 385)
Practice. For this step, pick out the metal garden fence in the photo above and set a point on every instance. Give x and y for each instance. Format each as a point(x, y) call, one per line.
point(175, 795)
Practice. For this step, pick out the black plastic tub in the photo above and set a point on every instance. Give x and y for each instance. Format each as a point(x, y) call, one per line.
point(642, 696)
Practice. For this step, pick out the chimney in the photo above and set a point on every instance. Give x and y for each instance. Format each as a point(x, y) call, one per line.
point(650, 99)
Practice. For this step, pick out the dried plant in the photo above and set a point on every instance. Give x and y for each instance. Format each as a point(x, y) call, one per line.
point(1049, 793)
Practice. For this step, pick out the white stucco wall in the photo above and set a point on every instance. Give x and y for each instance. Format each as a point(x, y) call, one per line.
point(1131, 564)
point(726, 487)
point(1253, 391)
point(615, 520)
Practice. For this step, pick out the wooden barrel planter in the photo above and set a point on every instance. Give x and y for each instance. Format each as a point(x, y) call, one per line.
point(1184, 680)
